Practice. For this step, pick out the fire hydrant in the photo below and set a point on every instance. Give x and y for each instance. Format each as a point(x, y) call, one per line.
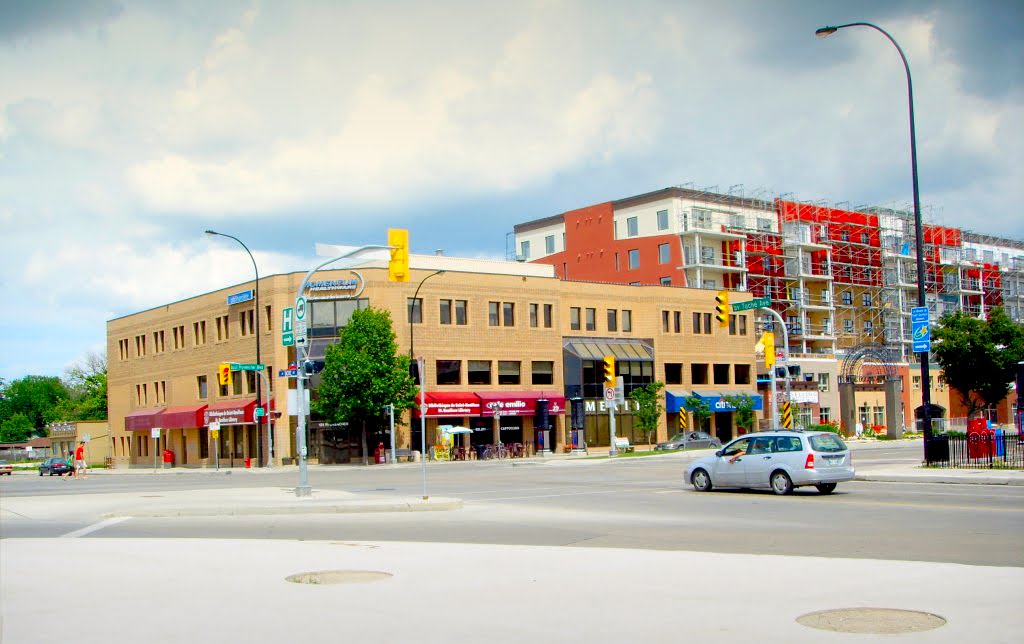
point(379, 455)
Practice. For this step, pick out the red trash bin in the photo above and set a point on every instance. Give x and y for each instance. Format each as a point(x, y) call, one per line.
point(168, 458)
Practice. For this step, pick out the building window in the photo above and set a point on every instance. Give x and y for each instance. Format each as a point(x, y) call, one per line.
point(865, 299)
point(479, 372)
point(461, 312)
point(662, 220)
point(574, 318)
point(199, 332)
point(445, 311)
point(508, 310)
point(269, 326)
point(236, 384)
point(721, 373)
point(179, 337)
point(414, 307)
point(548, 315)
point(664, 254)
point(707, 323)
point(524, 249)
point(534, 315)
point(223, 330)
point(618, 266)
point(250, 382)
point(634, 259)
point(847, 298)
point(449, 372)
point(158, 341)
point(549, 244)
point(673, 373)
point(825, 414)
point(591, 319)
point(122, 346)
point(140, 346)
point(201, 387)
point(664, 321)
point(613, 320)
point(632, 230)
point(696, 323)
point(822, 382)
point(627, 320)
point(742, 372)
point(508, 372)
point(764, 224)
point(492, 313)
point(543, 372)
point(677, 321)
point(698, 374)
point(665, 281)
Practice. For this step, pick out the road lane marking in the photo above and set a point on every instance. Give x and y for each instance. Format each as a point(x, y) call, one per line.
point(94, 527)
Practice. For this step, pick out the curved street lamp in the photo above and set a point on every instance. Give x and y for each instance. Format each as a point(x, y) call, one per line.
point(926, 394)
point(415, 296)
point(256, 328)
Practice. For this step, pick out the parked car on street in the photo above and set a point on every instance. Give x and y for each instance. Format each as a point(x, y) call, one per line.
point(689, 440)
point(54, 465)
point(5, 468)
point(779, 461)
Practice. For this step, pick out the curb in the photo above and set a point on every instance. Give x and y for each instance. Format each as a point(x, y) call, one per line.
point(349, 507)
point(936, 478)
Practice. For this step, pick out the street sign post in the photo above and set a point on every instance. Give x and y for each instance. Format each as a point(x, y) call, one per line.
point(241, 366)
point(287, 337)
point(920, 329)
point(756, 303)
point(301, 330)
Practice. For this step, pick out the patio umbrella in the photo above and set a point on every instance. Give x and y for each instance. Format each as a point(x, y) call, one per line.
point(457, 429)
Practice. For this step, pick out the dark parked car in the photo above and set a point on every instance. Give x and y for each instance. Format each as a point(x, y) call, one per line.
point(54, 465)
point(5, 468)
point(690, 440)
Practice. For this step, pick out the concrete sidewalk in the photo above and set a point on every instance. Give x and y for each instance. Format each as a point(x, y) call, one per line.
point(176, 590)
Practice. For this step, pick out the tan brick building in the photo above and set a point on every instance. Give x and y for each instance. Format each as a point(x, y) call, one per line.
point(496, 337)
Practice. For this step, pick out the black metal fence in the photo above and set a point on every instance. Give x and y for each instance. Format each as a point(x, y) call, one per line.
point(989, 450)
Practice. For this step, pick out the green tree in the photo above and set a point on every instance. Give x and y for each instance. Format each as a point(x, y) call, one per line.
point(744, 410)
point(86, 383)
point(363, 372)
point(978, 357)
point(649, 408)
point(16, 429)
point(38, 398)
point(701, 412)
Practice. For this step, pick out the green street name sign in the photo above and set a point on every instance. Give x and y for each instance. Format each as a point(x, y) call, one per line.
point(756, 303)
point(235, 366)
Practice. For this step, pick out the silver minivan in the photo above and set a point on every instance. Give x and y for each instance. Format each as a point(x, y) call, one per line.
point(779, 461)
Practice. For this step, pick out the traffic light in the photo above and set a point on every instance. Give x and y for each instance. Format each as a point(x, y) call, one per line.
point(398, 267)
point(224, 373)
point(609, 371)
point(722, 309)
point(768, 344)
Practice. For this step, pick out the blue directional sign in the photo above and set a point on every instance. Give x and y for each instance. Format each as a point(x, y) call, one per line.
point(920, 329)
point(238, 298)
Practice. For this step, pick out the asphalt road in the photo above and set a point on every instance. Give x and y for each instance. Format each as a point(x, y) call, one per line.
point(628, 503)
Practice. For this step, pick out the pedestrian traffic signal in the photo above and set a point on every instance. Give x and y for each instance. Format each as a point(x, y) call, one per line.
point(398, 267)
point(722, 309)
point(609, 371)
point(224, 373)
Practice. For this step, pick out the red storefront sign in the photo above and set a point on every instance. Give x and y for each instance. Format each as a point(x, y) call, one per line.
point(450, 404)
point(518, 403)
point(231, 412)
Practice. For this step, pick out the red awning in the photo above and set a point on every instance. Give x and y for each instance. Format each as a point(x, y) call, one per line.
point(518, 403)
point(182, 417)
point(231, 412)
point(142, 420)
point(450, 404)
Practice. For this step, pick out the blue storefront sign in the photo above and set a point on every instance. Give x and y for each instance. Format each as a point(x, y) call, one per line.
point(675, 401)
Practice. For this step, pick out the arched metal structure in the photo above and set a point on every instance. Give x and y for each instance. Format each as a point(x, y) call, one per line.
point(851, 366)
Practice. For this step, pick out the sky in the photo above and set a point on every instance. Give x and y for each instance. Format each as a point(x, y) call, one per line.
point(127, 128)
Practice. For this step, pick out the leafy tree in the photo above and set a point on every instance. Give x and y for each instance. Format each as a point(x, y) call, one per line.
point(38, 398)
point(701, 412)
point(86, 383)
point(16, 429)
point(363, 372)
point(978, 357)
point(649, 408)
point(744, 410)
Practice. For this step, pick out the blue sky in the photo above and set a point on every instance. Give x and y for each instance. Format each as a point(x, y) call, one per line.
point(129, 127)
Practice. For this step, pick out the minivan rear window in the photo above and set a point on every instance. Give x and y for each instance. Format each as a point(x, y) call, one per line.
point(827, 443)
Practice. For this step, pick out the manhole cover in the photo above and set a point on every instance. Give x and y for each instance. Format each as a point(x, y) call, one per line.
point(873, 621)
point(338, 577)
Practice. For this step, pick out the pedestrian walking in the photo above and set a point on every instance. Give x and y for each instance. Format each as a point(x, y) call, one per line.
point(80, 466)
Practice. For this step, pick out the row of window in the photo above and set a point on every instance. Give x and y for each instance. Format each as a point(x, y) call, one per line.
point(700, 323)
point(241, 383)
point(156, 342)
point(612, 317)
point(481, 372)
point(708, 374)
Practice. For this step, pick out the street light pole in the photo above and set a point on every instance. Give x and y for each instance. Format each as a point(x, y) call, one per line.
point(926, 394)
point(256, 329)
point(416, 295)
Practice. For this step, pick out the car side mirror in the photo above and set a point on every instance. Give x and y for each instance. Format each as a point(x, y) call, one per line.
point(719, 452)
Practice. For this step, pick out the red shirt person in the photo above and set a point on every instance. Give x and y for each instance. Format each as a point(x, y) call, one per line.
point(80, 466)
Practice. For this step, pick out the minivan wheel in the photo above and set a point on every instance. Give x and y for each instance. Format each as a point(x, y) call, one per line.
point(781, 483)
point(701, 481)
point(825, 488)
